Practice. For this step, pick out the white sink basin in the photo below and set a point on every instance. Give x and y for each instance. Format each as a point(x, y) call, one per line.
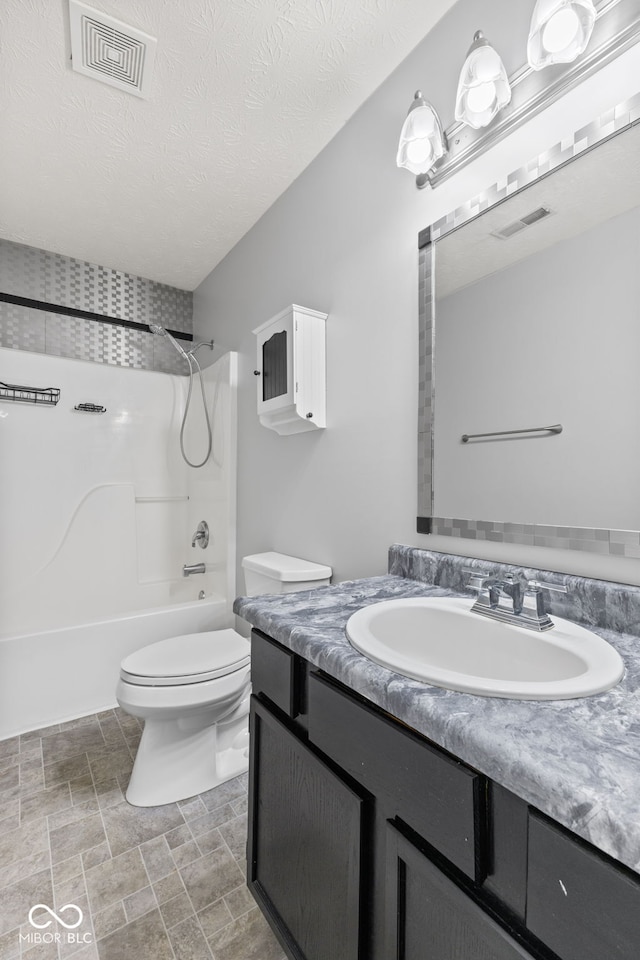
point(439, 640)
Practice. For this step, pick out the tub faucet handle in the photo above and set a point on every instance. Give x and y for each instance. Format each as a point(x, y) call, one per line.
point(201, 536)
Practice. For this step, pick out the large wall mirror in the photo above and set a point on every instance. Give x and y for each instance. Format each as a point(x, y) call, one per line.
point(530, 352)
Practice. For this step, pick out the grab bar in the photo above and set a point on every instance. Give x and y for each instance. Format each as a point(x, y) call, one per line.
point(555, 428)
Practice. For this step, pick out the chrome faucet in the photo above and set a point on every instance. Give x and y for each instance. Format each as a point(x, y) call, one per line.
point(191, 568)
point(513, 599)
point(201, 536)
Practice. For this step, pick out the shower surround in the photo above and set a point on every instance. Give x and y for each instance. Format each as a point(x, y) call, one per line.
point(98, 510)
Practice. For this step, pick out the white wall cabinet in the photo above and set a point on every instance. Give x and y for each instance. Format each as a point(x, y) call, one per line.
point(291, 371)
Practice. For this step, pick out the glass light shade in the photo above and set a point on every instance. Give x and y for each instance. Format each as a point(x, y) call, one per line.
point(560, 31)
point(421, 138)
point(483, 87)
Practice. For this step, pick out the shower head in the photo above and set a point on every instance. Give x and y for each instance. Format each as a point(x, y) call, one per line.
point(160, 331)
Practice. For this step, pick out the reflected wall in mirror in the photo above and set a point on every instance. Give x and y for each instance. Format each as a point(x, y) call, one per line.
point(532, 310)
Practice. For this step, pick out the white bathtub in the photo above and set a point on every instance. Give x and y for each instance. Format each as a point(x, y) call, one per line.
point(57, 675)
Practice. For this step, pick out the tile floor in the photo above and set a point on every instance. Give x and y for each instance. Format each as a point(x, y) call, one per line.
point(161, 883)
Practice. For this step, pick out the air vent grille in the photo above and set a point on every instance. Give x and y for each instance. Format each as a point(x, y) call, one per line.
point(110, 51)
point(517, 225)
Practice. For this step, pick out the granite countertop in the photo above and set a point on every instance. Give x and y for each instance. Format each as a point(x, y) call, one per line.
point(576, 760)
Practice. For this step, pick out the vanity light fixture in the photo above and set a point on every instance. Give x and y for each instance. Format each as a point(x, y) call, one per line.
point(560, 31)
point(483, 87)
point(422, 141)
point(491, 104)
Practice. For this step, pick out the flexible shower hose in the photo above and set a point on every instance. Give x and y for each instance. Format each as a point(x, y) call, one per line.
point(191, 357)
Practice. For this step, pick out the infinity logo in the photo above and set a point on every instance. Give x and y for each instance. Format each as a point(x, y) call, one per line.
point(47, 923)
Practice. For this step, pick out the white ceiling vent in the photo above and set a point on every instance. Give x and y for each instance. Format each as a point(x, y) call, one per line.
point(109, 50)
point(512, 228)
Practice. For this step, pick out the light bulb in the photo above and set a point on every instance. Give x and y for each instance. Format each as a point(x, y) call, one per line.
point(560, 31)
point(485, 64)
point(481, 97)
point(419, 154)
point(483, 87)
point(421, 122)
point(421, 138)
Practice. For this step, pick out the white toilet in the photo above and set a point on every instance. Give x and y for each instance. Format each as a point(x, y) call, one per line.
point(193, 694)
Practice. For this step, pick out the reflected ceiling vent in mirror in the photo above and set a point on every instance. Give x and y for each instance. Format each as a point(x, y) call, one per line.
point(110, 51)
point(517, 225)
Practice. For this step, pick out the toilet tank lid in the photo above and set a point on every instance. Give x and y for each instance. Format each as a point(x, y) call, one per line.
point(279, 566)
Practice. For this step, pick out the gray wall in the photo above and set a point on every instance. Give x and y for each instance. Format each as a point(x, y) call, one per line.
point(343, 239)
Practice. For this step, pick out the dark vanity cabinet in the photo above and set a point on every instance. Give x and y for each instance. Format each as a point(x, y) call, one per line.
point(429, 916)
point(306, 846)
point(307, 842)
point(369, 842)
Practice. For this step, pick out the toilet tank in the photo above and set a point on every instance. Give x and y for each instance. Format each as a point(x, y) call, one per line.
point(278, 573)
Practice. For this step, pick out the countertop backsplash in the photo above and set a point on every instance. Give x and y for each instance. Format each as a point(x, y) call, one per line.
point(595, 603)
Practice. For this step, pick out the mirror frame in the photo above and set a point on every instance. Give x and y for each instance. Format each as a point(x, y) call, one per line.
point(622, 543)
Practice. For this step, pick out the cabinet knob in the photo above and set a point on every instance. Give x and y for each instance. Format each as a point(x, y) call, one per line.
point(309, 415)
point(256, 373)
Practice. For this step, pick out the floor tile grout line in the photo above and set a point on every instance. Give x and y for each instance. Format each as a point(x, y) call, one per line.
point(53, 891)
point(192, 904)
point(100, 811)
point(82, 867)
point(127, 921)
point(157, 902)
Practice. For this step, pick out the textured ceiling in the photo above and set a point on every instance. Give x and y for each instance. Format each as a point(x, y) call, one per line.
point(245, 94)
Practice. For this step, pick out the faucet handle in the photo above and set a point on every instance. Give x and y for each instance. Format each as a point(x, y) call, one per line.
point(533, 606)
point(201, 536)
point(477, 580)
point(542, 585)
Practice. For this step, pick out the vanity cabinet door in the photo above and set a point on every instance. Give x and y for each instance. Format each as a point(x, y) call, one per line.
point(438, 797)
point(580, 902)
point(304, 847)
point(428, 917)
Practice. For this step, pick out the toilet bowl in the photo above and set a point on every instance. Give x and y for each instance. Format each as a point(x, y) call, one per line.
point(193, 694)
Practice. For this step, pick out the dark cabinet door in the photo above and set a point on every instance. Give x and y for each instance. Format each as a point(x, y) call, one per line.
point(305, 839)
point(430, 918)
point(579, 902)
point(274, 366)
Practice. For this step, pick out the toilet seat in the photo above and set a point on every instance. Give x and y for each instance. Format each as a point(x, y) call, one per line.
point(192, 658)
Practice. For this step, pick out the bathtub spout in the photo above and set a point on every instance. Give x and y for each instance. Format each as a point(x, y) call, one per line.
point(190, 568)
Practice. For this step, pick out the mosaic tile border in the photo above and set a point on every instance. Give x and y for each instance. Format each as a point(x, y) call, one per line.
point(623, 543)
point(50, 278)
point(620, 543)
